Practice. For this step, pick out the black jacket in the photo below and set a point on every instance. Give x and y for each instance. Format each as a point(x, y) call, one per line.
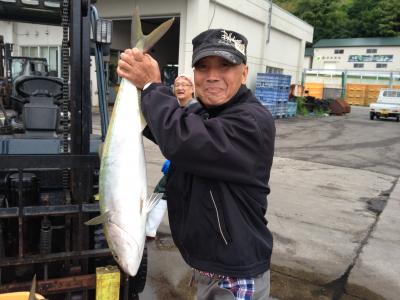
point(217, 183)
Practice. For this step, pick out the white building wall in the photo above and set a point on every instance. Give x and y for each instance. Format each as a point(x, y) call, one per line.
point(326, 57)
point(284, 57)
point(6, 30)
point(36, 35)
point(288, 42)
point(285, 49)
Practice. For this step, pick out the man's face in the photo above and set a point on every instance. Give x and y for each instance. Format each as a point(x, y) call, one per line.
point(217, 80)
point(183, 90)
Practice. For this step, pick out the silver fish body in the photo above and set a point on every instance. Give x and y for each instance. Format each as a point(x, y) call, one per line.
point(123, 181)
point(124, 203)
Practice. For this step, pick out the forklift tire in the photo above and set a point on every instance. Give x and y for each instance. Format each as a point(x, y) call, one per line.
point(137, 283)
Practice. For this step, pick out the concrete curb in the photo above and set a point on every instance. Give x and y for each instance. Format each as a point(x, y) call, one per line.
point(376, 272)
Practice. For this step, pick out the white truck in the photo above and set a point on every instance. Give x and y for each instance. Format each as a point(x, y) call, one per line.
point(387, 105)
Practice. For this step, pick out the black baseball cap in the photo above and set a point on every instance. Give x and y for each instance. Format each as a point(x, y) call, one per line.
point(227, 44)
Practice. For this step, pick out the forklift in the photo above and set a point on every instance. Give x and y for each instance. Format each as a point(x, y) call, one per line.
point(49, 163)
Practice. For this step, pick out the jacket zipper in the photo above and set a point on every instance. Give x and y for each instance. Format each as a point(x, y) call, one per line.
point(219, 223)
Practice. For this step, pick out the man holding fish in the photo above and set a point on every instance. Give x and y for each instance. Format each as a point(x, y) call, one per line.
point(221, 152)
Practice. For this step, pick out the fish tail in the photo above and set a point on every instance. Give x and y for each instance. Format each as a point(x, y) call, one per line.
point(146, 42)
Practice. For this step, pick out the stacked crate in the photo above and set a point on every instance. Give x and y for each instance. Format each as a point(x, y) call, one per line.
point(291, 109)
point(273, 92)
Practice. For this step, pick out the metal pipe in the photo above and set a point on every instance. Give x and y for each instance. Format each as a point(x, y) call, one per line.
point(100, 75)
point(20, 216)
point(269, 21)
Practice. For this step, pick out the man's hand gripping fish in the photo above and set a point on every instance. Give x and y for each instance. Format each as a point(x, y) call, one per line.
point(124, 204)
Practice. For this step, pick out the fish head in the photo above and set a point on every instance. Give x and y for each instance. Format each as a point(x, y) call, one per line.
point(126, 250)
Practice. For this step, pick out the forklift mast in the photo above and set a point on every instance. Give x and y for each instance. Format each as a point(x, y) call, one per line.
point(65, 268)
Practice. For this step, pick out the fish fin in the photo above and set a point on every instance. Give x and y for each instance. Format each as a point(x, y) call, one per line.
point(103, 218)
point(32, 292)
point(136, 28)
point(152, 38)
point(146, 42)
point(152, 201)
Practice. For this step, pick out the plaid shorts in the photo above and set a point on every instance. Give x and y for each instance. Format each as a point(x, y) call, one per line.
point(240, 288)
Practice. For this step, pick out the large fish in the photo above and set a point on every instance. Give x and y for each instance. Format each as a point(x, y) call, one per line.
point(124, 204)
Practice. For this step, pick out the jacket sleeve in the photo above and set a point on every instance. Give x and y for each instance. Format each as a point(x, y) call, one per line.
point(223, 147)
point(147, 133)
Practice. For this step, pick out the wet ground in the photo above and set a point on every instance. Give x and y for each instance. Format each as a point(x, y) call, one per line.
point(331, 180)
point(352, 141)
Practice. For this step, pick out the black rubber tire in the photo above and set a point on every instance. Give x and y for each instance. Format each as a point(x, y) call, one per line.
point(137, 283)
point(371, 115)
point(397, 119)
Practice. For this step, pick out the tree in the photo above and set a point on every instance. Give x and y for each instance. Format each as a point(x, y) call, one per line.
point(348, 18)
point(329, 18)
point(374, 18)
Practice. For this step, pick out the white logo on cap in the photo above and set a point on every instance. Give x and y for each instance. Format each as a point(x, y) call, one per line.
point(230, 38)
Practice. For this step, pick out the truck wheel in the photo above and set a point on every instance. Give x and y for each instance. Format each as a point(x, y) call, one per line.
point(371, 116)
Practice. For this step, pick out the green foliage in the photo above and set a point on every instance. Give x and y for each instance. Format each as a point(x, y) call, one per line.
point(375, 18)
point(301, 108)
point(328, 18)
point(319, 112)
point(347, 18)
point(314, 109)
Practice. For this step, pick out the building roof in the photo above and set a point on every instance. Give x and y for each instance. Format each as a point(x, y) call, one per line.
point(358, 42)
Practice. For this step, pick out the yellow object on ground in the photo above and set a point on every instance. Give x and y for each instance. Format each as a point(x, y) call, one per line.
point(19, 296)
point(107, 283)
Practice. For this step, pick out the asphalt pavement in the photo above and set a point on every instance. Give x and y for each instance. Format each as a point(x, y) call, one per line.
point(333, 211)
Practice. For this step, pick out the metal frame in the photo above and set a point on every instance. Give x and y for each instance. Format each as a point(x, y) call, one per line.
point(80, 165)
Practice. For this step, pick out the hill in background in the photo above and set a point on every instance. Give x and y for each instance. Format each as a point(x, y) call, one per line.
point(347, 18)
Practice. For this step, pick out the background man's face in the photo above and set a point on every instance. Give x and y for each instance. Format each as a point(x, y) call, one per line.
point(183, 90)
point(217, 80)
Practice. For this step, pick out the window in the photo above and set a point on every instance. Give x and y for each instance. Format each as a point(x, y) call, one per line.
point(391, 94)
point(370, 58)
point(372, 50)
point(30, 2)
point(273, 70)
point(16, 68)
point(358, 65)
point(339, 51)
point(381, 66)
point(50, 53)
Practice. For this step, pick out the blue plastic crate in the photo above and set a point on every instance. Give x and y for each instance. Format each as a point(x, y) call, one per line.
point(267, 79)
point(266, 94)
point(273, 80)
point(281, 108)
point(292, 109)
point(285, 80)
